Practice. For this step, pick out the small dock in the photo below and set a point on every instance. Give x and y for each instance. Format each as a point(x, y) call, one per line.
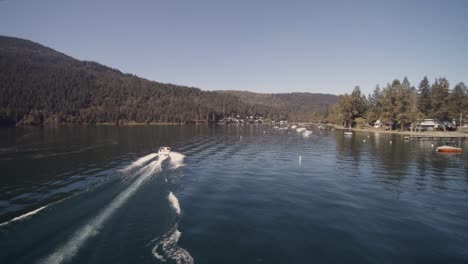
point(435, 137)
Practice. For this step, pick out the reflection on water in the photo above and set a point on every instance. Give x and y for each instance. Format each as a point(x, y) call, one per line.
point(402, 164)
point(248, 194)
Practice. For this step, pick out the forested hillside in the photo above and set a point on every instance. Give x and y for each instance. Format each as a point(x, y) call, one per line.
point(298, 106)
point(40, 86)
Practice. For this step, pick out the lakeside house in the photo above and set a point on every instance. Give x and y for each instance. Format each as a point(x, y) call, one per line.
point(434, 124)
point(427, 125)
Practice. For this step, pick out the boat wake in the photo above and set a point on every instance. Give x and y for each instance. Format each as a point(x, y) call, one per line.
point(166, 248)
point(174, 202)
point(30, 214)
point(177, 160)
point(24, 216)
point(139, 162)
point(70, 248)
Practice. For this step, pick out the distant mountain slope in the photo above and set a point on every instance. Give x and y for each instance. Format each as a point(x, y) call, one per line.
point(290, 102)
point(39, 85)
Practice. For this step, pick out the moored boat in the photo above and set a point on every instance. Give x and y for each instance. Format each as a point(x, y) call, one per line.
point(301, 129)
point(449, 149)
point(307, 133)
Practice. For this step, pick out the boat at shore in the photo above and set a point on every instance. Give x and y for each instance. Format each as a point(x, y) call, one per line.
point(449, 149)
point(164, 151)
point(348, 133)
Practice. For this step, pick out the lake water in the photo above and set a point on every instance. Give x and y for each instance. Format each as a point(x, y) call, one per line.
point(229, 194)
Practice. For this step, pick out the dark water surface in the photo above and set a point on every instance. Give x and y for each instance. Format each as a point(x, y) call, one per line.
point(246, 194)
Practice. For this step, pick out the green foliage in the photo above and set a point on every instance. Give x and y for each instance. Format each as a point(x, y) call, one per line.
point(41, 86)
point(349, 107)
point(291, 106)
point(424, 97)
point(458, 101)
point(374, 105)
point(402, 106)
point(388, 102)
point(440, 99)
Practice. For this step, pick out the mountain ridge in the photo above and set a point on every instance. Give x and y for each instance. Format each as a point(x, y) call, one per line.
point(42, 86)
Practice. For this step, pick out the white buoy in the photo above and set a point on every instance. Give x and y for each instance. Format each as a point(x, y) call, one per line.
point(432, 145)
point(367, 136)
point(364, 140)
point(300, 160)
point(391, 142)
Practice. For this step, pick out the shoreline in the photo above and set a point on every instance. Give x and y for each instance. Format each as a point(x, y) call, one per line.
point(435, 134)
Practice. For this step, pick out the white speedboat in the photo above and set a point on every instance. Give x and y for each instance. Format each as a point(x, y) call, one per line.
point(164, 150)
point(348, 133)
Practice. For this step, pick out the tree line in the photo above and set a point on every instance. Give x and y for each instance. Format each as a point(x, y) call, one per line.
point(40, 86)
point(402, 106)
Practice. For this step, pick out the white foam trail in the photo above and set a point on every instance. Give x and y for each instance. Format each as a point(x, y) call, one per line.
point(140, 161)
point(153, 167)
point(174, 202)
point(167, 249)
point(71, 247)
point(29, 214)
point(177, 160)
point(24, 216)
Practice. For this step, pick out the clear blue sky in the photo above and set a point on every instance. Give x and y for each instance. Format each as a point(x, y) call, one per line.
point(262, 46)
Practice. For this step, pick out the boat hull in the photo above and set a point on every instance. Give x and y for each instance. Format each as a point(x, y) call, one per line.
point(449, 149)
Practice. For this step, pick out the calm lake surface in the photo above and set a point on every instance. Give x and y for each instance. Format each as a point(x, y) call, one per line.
point(229, 194)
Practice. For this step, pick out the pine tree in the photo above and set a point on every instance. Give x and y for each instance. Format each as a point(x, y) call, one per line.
point(389, 105)
point(401, 106)
point(424, 97)
point(406, 111)
point(406, 84)
point(440, 99)
point(374, 105)
point(458, 101)
point(359, 103)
